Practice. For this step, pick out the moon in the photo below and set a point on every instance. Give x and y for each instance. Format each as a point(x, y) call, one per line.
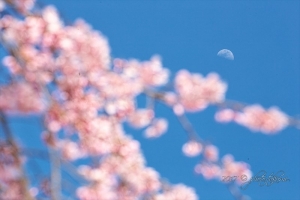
point(227, 54)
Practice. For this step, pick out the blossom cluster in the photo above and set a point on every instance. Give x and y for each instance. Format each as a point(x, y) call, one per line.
point(66, 73)
point(10, 175)
point(256, 118)
point(228, 168)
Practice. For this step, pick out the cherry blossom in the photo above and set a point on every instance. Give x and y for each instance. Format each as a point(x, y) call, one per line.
point(197, 92)
point(157, 128)
point(211, 153)
point(192, 148)
point(178, 192)
point(71, 150)
point(22, 97)
point(65, 72)
point(141, 118)
point(239, 169)
point(258, 119)
point(225, 115)
point(209, 171)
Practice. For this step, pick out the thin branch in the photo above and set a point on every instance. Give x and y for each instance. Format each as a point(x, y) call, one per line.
point(192, 134)
point(16, 154)
point(55, 174)
point(187, 126)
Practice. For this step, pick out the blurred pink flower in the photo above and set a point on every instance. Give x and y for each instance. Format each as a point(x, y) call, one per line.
point(157, 128)
point(258, 119)
point(196, 92)
point(211, 153)
point(22, 97)
point(192, 148)
point(141, 118)
point(225, 115)
point(209, 171)
point(178, 192)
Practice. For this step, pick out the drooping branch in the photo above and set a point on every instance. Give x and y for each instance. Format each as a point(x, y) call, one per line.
point(16, 155)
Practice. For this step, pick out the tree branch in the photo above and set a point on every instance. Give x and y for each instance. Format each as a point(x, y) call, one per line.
point(16, 155)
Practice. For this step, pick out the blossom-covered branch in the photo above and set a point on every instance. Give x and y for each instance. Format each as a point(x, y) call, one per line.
point(66, 74)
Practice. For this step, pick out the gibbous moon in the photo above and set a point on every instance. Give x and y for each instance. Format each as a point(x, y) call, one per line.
point(227, 54)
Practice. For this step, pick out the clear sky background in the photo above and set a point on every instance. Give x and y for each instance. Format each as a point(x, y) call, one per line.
point(264, 37)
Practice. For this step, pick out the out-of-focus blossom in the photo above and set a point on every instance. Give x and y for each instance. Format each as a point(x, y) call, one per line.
point(21, 97)
point(91, 98)
point(12, 64)
point(114, 85)
point(103, 183)
point(235, 171)
point(196, 92)
point(178, 192)
point(170, 98)
point(11, 176)
point(141, 118)
point(98, 137)
point(211, 153)
point(52, 19)
point(149, 73)
point(257, 118)
point(157, 128)
point(71, 150)
point(121, 108)
point(239, 169)
point(144, 180)
point(2, 5)
point(209, 171)
point(225, 115)
point(192, 148)
point(153, 74)
point(178, 109)
point(23, 5)
point(127, 147)
point(34, 191)
point(98, 191)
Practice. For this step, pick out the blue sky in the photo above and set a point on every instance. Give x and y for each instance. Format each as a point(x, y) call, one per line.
point(264, 37)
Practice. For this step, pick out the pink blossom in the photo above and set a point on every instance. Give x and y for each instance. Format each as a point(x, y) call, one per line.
point(178, 192)
point(21, 97)
point(211, 153)
point(24, 5)
point(2, 5)
point(96, 137)
point(123, 87)
point(239, 169)
point(34, 27)
point(152, 73)
point(170, 98)
point(12, 64)
point(141, 118)
point(54, 126)
point(209, 171)
point(52, 19)
point(34, 191)
point(192, 148)
point(92, 98)
point(258, 119)
point(95, 192)
point(157, 128)
point(225, 115)
point(144, 180)
point(196, 92)
point(121, 108)
point(127, 147)
point(178, 109)
point(71, 150)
